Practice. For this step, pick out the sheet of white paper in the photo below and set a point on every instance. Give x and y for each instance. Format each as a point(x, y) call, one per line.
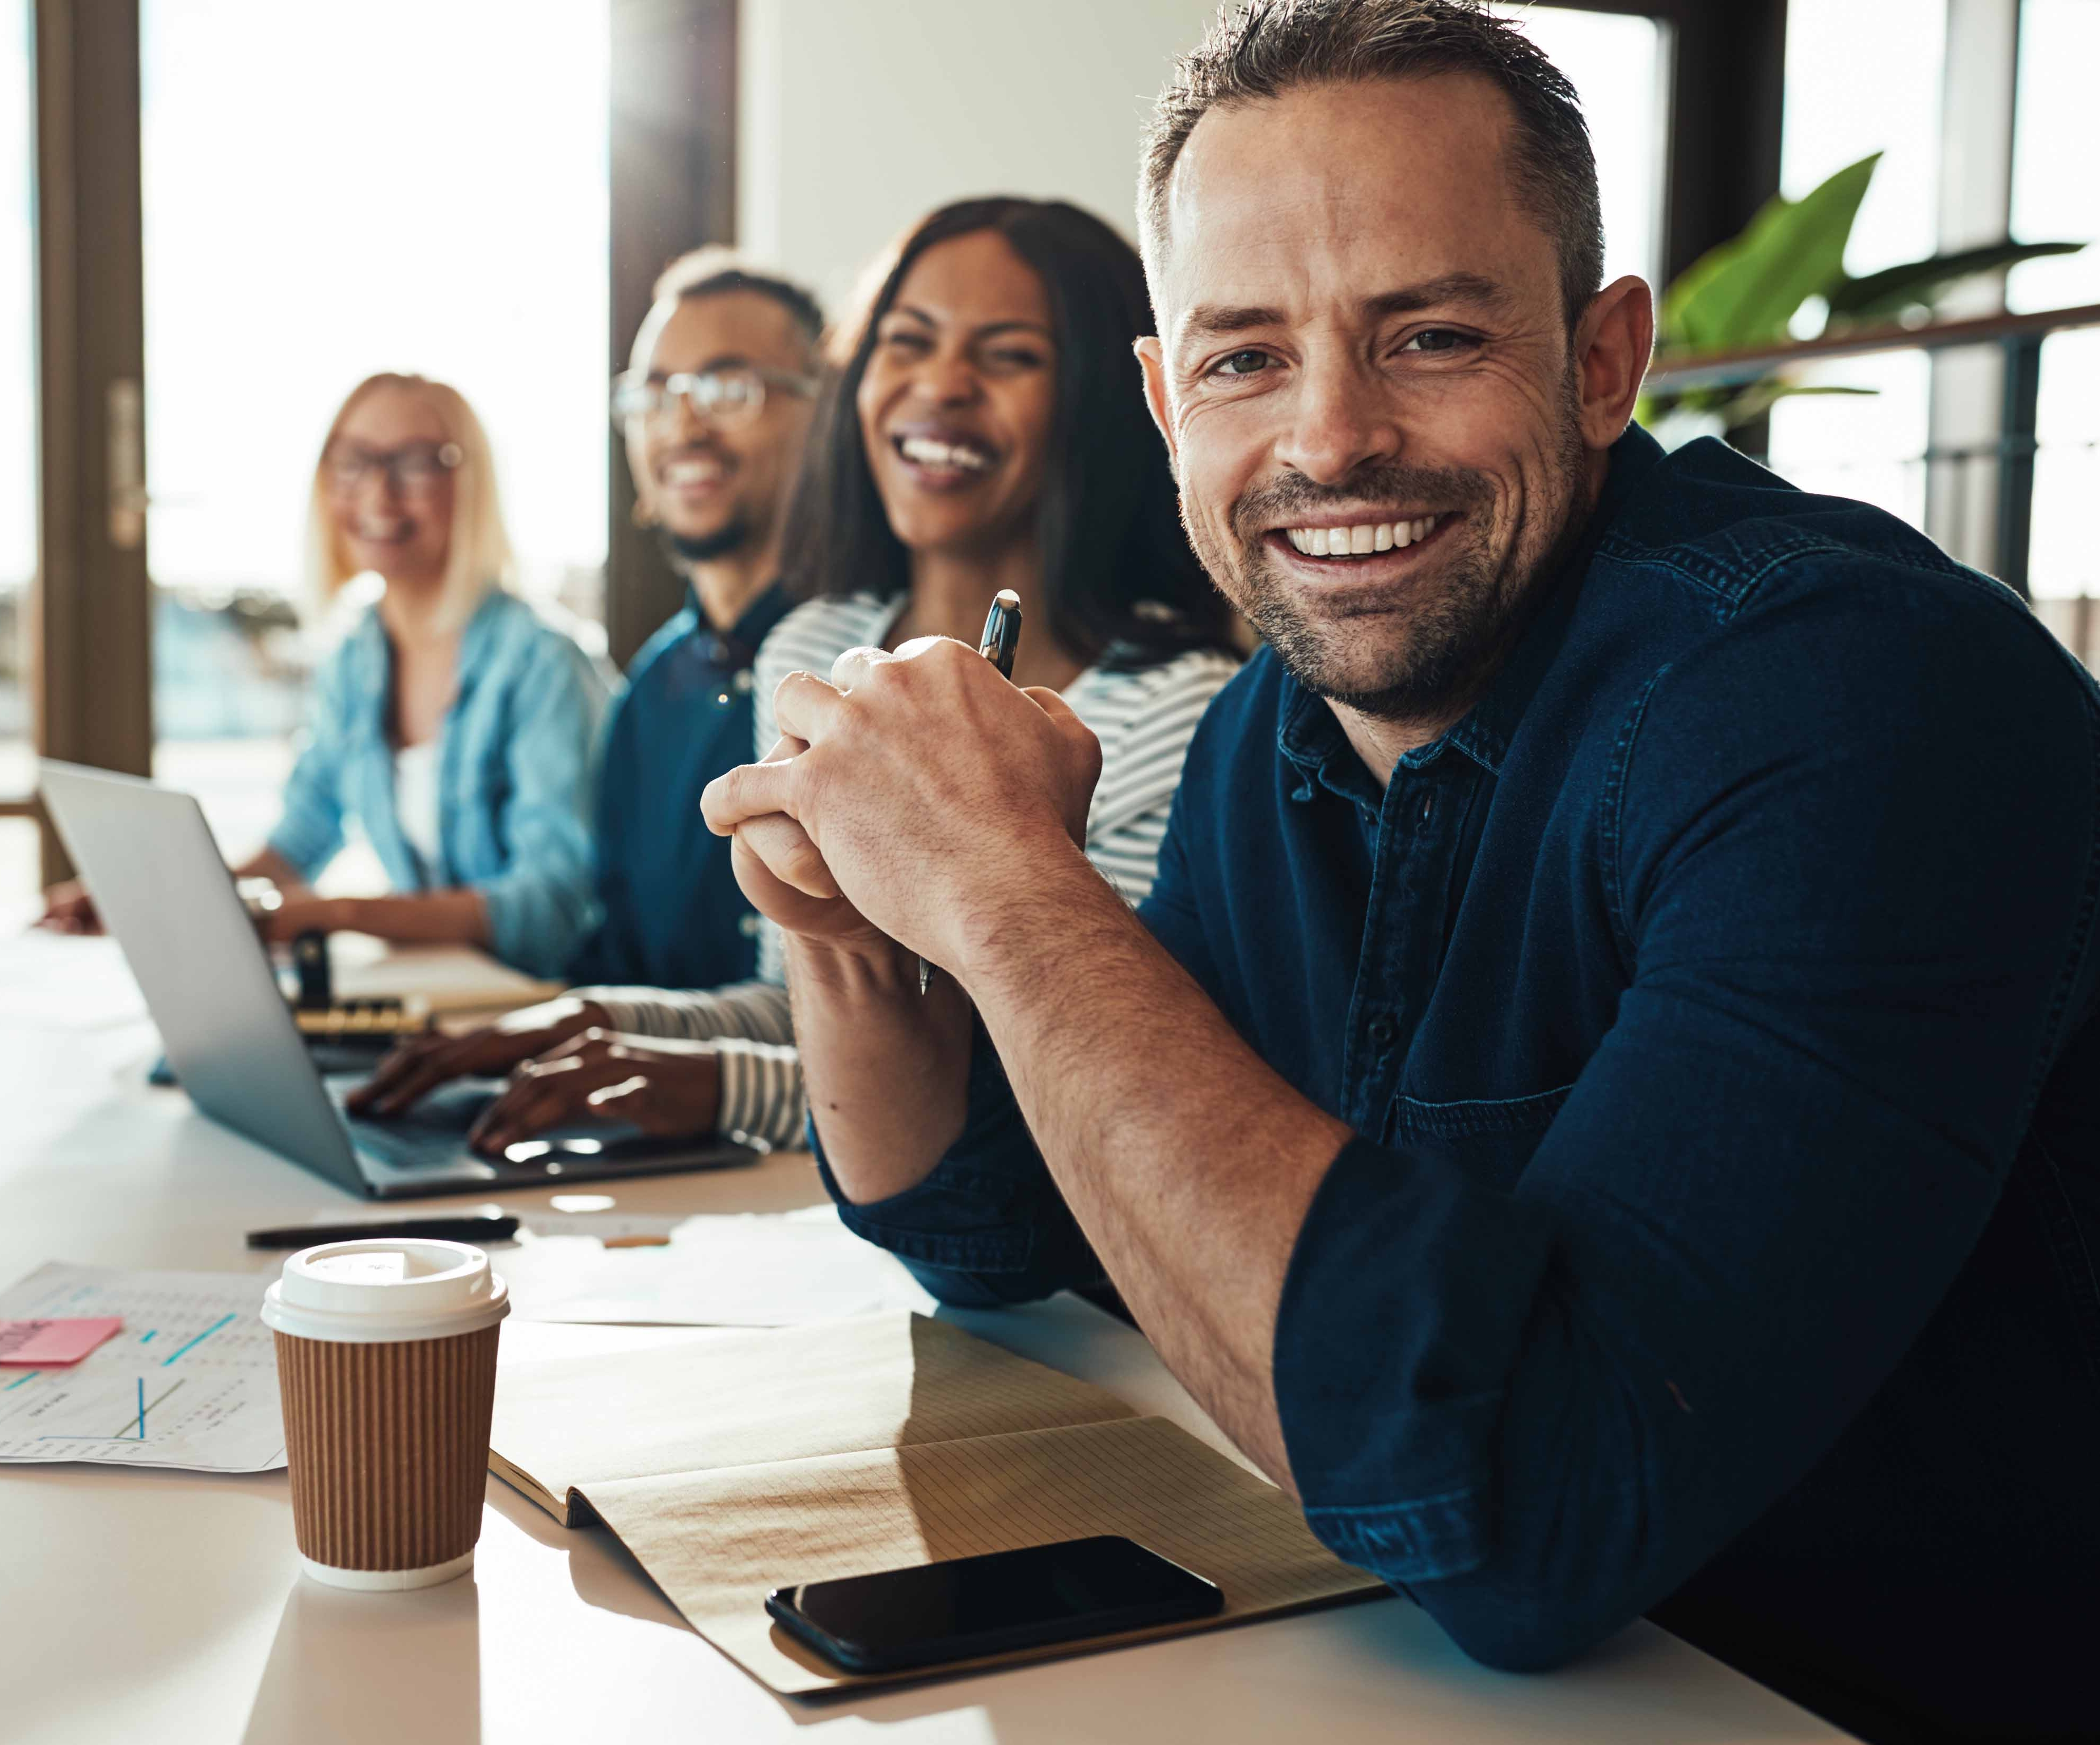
point(190, 1381)
point(446, 978)
point(755, 1271)
point(601, 1226)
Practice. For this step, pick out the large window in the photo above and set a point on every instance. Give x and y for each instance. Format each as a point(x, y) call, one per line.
point(1872, 446)
point(413, 185)
point(2055, 196)
point(1619, 65)
point(18, 440)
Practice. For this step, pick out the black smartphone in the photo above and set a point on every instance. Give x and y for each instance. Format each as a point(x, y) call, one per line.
point(971, 1606)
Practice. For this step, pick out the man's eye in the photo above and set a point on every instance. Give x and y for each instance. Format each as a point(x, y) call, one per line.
point(1436, 340)
point(1242, 364)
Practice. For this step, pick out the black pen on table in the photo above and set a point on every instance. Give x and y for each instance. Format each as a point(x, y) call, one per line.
point(1001, 638)
point(459, 1227)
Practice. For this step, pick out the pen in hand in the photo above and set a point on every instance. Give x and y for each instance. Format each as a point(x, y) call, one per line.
point(1001, 638)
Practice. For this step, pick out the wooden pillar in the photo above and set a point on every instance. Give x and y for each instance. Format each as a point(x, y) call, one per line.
point(674, 156)
point(91, 607)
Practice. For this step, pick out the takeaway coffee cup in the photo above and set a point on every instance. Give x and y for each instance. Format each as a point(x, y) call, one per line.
point(386, 1361)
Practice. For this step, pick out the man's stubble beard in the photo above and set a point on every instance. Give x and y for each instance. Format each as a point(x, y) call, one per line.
point(1443, 646)
point(726, 541)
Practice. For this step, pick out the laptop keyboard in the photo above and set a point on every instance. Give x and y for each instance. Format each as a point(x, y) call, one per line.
point(432, 1135)
point(406, 1148)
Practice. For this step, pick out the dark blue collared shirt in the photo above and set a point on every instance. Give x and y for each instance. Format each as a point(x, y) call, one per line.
point(673, 915)
point(1714, 1009)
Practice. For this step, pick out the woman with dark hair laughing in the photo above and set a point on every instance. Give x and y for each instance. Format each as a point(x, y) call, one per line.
point(982, 430)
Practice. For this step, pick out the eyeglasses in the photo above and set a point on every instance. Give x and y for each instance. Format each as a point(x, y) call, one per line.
point(730, 396)
point(413, 469)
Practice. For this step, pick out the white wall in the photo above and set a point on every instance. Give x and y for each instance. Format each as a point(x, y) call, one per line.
point(856, 117)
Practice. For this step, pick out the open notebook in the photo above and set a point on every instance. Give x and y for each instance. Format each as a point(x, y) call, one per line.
point(737, 1463)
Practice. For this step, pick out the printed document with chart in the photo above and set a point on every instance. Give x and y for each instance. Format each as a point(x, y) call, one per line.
point(190, 1381)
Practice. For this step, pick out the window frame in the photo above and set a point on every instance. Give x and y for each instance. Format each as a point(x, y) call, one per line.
point(89, 648)
point(87, 643)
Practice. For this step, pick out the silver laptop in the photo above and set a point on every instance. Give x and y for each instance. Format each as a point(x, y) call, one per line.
point(148, 859)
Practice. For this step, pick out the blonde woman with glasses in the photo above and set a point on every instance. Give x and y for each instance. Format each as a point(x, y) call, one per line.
point(452, 725)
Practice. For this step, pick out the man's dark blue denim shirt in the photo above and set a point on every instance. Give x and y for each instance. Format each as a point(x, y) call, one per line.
point(1714, 1008)
point(674, 917)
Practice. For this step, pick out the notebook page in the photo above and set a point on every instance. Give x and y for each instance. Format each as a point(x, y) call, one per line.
point(750, 1399)
point(717, 1542)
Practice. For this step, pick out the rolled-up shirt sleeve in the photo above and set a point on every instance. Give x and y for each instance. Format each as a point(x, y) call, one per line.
point(309, 830)
point(988, 1225)
point(543, 904)
point(1542, 1410)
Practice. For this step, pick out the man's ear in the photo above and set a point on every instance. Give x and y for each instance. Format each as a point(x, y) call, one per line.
point(1614, 342)
point(1152, 361)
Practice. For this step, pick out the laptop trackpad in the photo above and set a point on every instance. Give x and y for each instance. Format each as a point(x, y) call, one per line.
point(452, 1109)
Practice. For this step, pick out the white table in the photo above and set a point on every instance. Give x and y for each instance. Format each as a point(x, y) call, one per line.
point(166, 1607)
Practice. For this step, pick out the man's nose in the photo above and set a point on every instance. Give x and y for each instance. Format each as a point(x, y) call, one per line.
point(686, 424)
point(1340, 417)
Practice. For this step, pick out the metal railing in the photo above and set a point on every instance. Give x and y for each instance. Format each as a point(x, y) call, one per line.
point(2012, 452)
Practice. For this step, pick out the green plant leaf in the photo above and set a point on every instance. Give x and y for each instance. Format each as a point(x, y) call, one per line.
point(1759, 398)
point(1895, 291)
point(1746, 291)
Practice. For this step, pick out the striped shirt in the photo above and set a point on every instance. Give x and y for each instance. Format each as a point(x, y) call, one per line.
point(1144, 717)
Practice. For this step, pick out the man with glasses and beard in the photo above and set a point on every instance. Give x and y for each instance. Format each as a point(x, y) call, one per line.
point(1600, 1102)
point(714, 409)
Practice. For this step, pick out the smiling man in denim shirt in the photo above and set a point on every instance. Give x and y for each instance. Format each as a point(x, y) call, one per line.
point(1601, 1102)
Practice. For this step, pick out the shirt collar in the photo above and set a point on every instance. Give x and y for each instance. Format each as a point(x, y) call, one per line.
point(1310, 739)
point(771, 604)
point(479, 640)
point(734, 649)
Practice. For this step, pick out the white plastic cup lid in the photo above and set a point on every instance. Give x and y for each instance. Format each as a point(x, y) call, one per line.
point(384, 1290)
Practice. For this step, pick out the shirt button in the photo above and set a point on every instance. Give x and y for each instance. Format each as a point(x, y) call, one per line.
point(749, 927)
point(742, 682)
point(1383, 1031)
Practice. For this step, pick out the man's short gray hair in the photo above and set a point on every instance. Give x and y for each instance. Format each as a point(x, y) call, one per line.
point(1263, 48)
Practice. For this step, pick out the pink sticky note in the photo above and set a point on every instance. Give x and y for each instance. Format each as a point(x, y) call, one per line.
point(53, 1342)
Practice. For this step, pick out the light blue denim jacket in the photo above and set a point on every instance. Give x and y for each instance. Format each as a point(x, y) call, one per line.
point(515, 779)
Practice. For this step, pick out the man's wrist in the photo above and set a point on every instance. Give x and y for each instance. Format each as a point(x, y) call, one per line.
point(1024, 923)
point(873, 967)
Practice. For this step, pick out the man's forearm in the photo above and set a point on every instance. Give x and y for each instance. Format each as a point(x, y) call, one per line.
point(886, 1069)
point(267, 863)
point(453, 916)
point(1187, 1161)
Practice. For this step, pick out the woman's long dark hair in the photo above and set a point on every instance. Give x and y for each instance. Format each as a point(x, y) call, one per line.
point(1121, 582)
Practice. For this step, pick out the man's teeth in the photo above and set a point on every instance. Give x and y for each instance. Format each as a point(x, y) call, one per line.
point(1365, 536)
point(925, 451)
point(678, 473)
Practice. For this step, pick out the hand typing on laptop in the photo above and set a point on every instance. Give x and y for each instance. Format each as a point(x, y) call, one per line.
point(419, 1064)
point(664, 1087)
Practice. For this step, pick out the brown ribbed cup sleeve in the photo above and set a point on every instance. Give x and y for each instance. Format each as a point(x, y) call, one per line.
point(388, 1447)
